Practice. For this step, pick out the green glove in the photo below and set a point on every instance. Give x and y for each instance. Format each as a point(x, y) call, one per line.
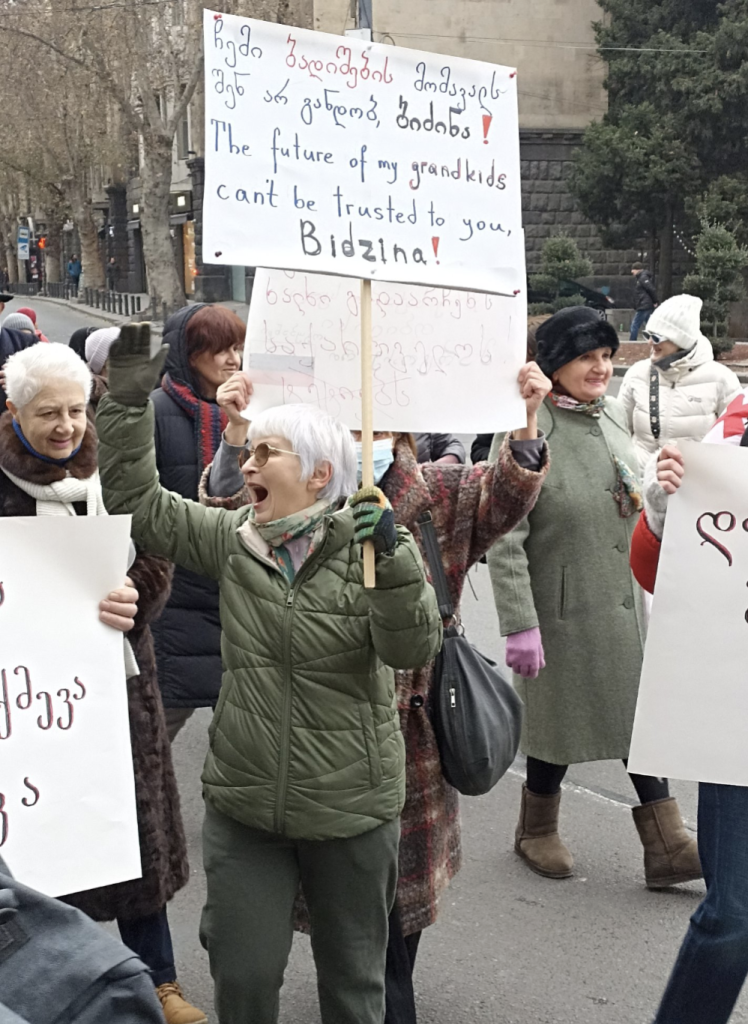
point(374, 519)
point(133, 374)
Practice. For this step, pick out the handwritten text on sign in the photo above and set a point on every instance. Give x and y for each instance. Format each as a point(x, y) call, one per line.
point(692, 714)
point(442, 360)
point(337, 156)
point(67, 800)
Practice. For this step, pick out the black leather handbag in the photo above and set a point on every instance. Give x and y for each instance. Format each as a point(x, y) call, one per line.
point(475, 711)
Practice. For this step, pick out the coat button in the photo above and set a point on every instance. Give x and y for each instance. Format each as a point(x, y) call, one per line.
point(621, 546)
point(596, 432)
point(416, 701)
point(628, 602)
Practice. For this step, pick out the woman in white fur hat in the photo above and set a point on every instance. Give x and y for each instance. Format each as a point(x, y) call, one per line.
point(680, 391)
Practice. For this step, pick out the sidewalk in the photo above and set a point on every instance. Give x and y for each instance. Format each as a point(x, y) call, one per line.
point(240, 308)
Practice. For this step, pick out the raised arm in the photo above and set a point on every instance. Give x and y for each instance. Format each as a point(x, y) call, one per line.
point(403, 613)
point(163, 523)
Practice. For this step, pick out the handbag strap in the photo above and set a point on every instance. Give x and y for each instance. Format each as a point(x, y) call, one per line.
point(654, 402)
point(434, 556)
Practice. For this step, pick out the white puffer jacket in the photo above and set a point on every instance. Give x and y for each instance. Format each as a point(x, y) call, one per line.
point(694, 391)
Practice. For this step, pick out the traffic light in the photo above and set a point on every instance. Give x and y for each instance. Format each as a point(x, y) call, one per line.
point(42, 242)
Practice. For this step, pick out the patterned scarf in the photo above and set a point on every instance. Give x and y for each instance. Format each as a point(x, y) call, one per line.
point(593, 409)
point(210, 421)
point(293, 538)
point(627, 491)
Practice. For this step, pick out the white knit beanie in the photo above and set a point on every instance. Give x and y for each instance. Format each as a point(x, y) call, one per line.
point(98, 344)
point(677, 319)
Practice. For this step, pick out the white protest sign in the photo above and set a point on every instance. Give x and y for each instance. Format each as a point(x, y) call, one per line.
point(335, 155)
point(67, 798)
point(442, 360)
point(692, 713)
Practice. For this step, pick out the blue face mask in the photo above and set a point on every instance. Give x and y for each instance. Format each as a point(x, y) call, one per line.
point(383, 458)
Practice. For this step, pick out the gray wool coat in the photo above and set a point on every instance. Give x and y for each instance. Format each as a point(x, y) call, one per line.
point(565, 568)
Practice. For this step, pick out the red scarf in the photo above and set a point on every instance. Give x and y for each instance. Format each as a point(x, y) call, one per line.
point(210, 420)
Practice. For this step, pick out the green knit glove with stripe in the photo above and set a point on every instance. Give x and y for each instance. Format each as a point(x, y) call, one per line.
point(374, 519)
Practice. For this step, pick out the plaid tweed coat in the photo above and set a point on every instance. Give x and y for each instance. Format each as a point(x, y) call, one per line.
point(471, 507)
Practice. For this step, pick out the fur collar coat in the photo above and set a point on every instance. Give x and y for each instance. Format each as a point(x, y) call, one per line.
point(163, 848)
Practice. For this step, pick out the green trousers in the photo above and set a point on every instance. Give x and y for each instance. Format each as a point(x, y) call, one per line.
point(247, 924)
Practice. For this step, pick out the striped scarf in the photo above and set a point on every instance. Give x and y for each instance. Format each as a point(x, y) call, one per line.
point(210, 421)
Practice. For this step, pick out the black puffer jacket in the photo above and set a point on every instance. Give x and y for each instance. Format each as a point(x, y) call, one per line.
point(645, 293)
point(187, 637)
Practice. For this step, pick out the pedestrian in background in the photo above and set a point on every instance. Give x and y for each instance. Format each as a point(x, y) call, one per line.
point(645, 299)
point(678, 393)
point(571, 610)
point(77, 341)
point(20, 322)
point(112, 272)
point(74, 271)
point(470, 507)
point(205, 348)
point(31, 314)
point(4, 298)
point(97, 348)
point(48, 465)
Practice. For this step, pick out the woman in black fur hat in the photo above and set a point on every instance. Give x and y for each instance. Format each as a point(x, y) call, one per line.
point(571, 611)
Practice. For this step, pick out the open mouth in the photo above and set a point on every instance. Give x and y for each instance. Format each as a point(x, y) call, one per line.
point(258, 493)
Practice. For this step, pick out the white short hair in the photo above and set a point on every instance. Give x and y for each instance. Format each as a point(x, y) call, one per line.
point(31, 369)
point(316, 438)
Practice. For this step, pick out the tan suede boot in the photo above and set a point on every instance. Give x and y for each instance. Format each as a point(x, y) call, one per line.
point(176, 1008)
point(537, 840)
point(670, 853)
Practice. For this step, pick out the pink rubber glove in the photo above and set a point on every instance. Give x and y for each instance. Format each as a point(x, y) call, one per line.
point(524, 653)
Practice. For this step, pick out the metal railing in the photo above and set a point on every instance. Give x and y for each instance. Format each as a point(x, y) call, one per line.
point(61, 290)
point(122, 303)
point(24, 288)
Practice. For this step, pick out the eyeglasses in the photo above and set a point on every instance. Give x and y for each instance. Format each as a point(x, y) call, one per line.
point(261, 453)
point(656, 339)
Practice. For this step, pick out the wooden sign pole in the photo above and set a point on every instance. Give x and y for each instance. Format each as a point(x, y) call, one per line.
point(367, 419)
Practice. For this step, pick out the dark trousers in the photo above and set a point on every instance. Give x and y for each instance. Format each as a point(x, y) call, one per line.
point(398, 981)
point(150, 938)
point(247, 924)
point(639, 321)
point(544, 779)
point(713, 961)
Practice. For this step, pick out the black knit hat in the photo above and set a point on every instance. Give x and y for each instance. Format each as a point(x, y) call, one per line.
point(569, 334)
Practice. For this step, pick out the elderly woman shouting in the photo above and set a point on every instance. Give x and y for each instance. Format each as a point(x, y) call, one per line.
point(305, 776)
point(48, 466)
point(470, 506)
point(570, 608)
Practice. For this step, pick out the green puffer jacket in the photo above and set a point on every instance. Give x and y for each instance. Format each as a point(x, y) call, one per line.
point(305, 740)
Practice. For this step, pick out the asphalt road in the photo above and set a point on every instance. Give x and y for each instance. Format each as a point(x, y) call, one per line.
point(56, 321)
point(509, 947)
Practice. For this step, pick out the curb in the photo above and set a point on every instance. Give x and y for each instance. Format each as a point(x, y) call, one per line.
point(92, 311)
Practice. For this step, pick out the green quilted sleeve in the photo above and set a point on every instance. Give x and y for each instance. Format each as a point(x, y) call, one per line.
point(163, 523)
point(403, 613)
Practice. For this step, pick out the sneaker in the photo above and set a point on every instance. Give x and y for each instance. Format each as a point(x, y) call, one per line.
point(176, 1008)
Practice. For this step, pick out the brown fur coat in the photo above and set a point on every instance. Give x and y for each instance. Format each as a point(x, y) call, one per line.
point(163, 848)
